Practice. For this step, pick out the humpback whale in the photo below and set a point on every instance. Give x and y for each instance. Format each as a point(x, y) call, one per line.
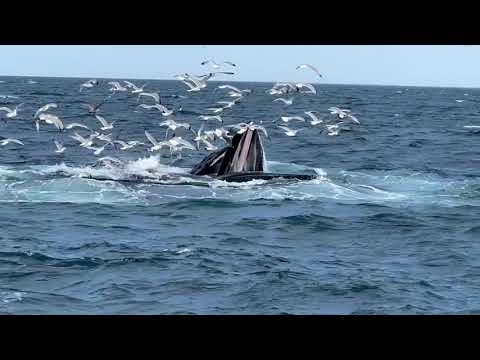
point(243, 160)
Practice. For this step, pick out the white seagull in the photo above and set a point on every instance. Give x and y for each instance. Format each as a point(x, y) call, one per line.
point(289, 132)
point(311, 67)
point(77, 125)
point(289, 118)
point(211, 117)
point(4, 142)
point(156, 145)
point(9, 112)
point(315, 120)
point(60, 147)
point(285, 101)
point(105, 124)
point(153, 95)
point(44, 108)
point(88, 84)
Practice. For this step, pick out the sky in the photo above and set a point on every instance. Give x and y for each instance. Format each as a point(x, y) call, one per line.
point(411, 65)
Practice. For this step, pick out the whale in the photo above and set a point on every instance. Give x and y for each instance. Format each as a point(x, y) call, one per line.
point(241, 161)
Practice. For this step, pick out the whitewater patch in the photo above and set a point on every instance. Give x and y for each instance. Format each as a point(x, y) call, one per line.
point(143, 182)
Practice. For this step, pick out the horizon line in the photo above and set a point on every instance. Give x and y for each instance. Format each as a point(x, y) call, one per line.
point(242, 81)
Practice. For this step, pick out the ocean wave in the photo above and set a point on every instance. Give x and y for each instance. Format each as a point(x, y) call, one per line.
point(141, 182)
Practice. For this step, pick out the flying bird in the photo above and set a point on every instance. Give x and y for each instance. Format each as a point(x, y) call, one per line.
point(105, 125)
point(290, 132)
point(4, 142)
point(311, 67)
point(60, 147)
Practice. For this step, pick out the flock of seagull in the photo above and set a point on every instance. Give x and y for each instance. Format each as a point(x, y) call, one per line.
point(97, 140)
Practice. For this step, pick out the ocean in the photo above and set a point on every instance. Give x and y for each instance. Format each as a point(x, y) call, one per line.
point(390, 225)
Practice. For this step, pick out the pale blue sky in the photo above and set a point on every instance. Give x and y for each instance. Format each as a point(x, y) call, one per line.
point(360, 64)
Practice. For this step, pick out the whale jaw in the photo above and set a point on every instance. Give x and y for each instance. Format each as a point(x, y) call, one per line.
point(244, 155)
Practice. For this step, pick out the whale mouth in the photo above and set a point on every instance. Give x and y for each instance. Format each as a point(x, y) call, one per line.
point(245, 154)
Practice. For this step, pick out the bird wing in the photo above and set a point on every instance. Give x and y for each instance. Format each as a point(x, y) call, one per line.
point(72, 125)
point(230, 87)
point(123, 143)
point(312, 116)
point(78, 137)
point(129, 84)
point(311, 67)
point(102, 120)
point(58, 145)
point(308, 86)
point(284, 128)
point(151, 138)
point(4, 108)
point(353, 118)
point(14, 141)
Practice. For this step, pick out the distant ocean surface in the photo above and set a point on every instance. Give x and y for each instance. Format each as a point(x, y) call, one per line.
point(390, 226)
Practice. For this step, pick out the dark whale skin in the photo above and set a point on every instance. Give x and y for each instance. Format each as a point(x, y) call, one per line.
point(258, 175)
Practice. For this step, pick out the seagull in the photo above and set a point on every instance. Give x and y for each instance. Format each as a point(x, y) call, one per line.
point(88, 84)
point(315, 119)
point(4, 142)
point(237, 90)
point(308, 86)
point(285, 101)
point(9, 112)
point(126, 146)
point(459, 101)
point(75, 125)
point(180, 143)
point(60, 147)
point(163, 109)
point(289, 132)
point(333, 129)
point(343, 113)
point(84, 142)
point(228, 104)
point(222, 134)
point(472, 126)
point(45, 108)
point(156, 145)
point(105, 124)
point(154, 96)
point(97, 151)
point(211, 117)
point(159, 107)
point(288, 118)
point(209, 146)
point(93, 109)
point(116, 86)
point(311, 67)
point(50, 119)
point(172, 125)
point(216, 110)
point(106, 137)
point(192, 82)
point(135, 88)
point(216, 65)
point(212, 75)
point(198, 136)
point(192, 87)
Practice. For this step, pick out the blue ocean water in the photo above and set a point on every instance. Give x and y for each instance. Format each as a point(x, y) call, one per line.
point(390, 225)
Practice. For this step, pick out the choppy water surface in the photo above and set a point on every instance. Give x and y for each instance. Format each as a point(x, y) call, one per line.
point(390, 225)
